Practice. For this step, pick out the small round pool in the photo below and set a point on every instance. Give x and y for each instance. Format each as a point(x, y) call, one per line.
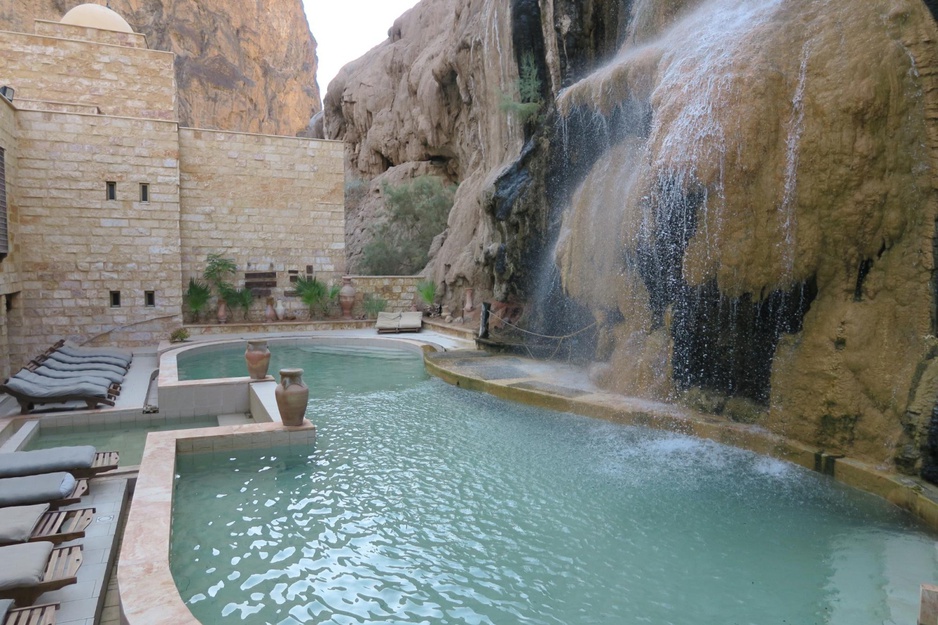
point(426, 503)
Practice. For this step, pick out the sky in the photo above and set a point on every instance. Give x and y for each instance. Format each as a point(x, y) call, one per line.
point(346, 29)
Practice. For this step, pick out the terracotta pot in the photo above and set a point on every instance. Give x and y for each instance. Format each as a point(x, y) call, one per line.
point(270, 314)
point(292, 396)
point(222, 312)
point(347, 297)
point(257, 357)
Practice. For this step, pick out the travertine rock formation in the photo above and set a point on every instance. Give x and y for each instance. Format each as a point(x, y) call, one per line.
point(240, 66)
point(741, 199)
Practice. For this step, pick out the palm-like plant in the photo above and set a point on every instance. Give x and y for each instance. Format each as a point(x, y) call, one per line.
point(313, 293)
point(196, 297)
point(427, 291)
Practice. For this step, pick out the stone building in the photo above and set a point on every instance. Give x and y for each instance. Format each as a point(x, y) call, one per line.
point(107, 206)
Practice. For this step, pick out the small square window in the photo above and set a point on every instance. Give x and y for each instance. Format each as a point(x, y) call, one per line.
point(115, 299)
point(144, 192)
point(111, 190)
point(149, 299)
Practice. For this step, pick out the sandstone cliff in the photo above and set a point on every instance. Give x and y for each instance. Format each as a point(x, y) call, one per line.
point(737, 194)
point(242, 66)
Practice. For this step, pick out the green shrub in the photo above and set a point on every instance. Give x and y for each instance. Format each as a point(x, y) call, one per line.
point(373, 305)
point(178, 335)
point(313, 293)
point(196, 297)
point(427, 291)
point(417, 212)
point(527, 100)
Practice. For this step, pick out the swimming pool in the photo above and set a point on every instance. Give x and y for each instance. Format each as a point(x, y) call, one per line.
point(427, 503)
point(127, 438)
point(358, 368)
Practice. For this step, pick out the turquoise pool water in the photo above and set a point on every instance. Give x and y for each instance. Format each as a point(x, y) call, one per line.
point(335, 367)
point(128, 439)
point(426, 503)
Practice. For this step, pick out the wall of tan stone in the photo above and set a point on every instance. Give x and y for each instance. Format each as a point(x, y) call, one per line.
point(272, 204)
point(85, 33)
point(9, 266)
point(399, 292)
point(119, 80)
point(77, 246)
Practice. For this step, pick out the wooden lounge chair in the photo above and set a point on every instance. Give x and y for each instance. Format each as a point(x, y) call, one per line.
point(387, 322)
point(56, 489)
point(31, 569)
point(37, 378)
point(71, 348)
point(79, 372)
point(29, 395)
point(79, 460)
point(33, 615)
point(399, 322)
point(85, 360)
point(19, 524)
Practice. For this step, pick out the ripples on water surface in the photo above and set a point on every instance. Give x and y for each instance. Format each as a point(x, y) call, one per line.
point(431, 504)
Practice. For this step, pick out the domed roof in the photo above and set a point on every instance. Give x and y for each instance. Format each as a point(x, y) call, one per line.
point(96, 16)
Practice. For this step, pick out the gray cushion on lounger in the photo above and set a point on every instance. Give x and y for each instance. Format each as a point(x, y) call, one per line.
point(43, 391)
point(17, 463)
point(23, 565)
point(35, 378)
point(20, 491)
point(68, 375)
point(116, 352)
point(411, 320)
point(17, 522)
point(83, 360)
point(5, 606)
point(58, 365)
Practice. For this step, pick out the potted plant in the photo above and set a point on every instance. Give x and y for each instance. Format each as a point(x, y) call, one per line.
point(217, 269)
point(196, 297)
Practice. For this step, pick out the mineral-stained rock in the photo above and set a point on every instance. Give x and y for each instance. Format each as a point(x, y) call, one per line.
point(741, 196)
point(242, 66)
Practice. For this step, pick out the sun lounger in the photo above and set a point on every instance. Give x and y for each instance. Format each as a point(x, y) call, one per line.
point(36, 378)
point(86, 360)
point(31, 569)
point(399, 322)
point(33, 615)
point(410, 322)
point(71, 349)
point(387, 322)
point(29, 395)
point(20, 524)
point(48, 372)
point(59, 365)
point(115, 352)
point(56, 489)
point(79, 460)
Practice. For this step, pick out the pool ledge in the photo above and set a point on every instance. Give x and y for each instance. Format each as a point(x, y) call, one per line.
point(516, 379)
point(148, 592)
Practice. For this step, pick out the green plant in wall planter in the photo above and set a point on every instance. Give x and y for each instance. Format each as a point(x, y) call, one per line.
point(314, 294)
point(217, 270)
point(196, 297)
point(427, 291)
point(373, 305)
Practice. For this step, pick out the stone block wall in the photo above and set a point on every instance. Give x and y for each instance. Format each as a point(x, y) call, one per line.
point(9, 266)
point(77, 246)
point(273, 204)
point(400, 292)
point(70, 31)
point(119, 80)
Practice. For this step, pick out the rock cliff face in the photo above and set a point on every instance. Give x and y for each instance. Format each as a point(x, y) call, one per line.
point(242, 66)
point(737, 196)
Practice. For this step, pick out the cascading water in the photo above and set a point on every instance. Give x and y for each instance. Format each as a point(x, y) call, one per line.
point(742, 205)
